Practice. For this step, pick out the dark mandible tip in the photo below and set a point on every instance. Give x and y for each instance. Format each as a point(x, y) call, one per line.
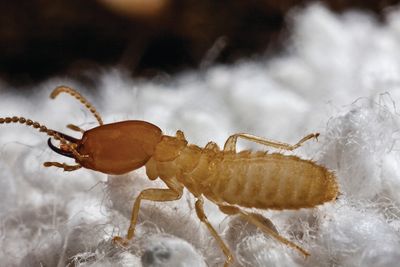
point(59, 151)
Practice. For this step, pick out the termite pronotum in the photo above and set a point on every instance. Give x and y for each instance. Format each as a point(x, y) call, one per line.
point(229, 179)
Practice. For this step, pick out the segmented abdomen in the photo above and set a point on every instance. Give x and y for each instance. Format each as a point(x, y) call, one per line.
point(269, 181)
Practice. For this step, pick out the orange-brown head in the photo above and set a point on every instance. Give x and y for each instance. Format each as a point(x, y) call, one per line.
point(114, 148)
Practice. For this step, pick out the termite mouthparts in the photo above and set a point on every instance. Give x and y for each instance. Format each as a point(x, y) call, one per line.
point(232, 180)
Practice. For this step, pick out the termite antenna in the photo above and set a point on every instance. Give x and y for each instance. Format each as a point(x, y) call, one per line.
point(56, 135)
point(78, 96)
point(35, 125)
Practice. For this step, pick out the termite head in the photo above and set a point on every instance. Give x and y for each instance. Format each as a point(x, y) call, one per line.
point(115, 148)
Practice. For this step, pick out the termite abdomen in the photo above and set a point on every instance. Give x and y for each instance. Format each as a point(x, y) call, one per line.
point(271, 181)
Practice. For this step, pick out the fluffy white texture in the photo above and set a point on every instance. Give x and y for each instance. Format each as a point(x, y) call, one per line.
point(165, 251)
point(340, 77)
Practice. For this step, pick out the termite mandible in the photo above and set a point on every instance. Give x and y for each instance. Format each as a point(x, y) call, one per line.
point(229, 179)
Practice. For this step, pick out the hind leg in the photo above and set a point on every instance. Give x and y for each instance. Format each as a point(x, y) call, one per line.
point(203, 218)
point(263, 224)
point(230, 144)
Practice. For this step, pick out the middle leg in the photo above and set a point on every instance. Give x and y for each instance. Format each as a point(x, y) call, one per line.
point(263, 224)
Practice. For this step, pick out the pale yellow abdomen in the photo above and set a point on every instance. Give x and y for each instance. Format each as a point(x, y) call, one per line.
point(269, 181)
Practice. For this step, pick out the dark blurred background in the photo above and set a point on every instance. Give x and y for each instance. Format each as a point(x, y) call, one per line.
point(42, 38)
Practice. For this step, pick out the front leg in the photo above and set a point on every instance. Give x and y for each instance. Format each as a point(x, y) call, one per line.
point(174, 192)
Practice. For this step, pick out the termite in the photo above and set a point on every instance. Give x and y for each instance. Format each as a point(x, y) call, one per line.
point(232, 180)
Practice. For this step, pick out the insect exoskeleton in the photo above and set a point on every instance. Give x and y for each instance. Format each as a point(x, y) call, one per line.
point(229, 179)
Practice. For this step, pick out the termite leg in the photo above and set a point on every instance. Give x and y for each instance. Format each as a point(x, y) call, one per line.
point(174, 192)
point(202, 216)
point(263, 224)
point(64, 166)
point(231, 210)
point(230, 144)
point(75, 128)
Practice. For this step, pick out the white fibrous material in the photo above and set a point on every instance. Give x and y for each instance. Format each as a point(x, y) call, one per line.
point(340, 76)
